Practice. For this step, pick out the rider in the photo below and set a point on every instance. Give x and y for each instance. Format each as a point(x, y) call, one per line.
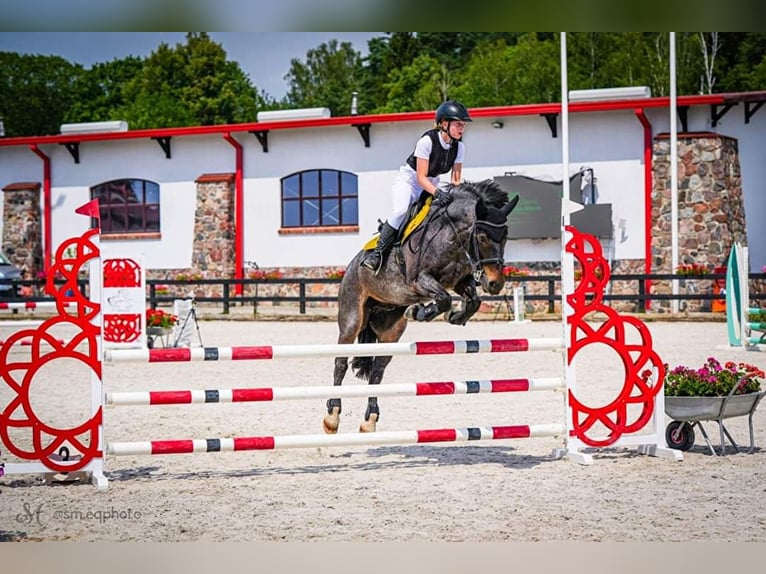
point(438, 151)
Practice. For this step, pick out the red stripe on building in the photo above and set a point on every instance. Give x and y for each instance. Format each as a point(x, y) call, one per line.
point(244, 395)
point(437, 388)
point(172, 446)
point(510, 385)
point(170, 397)
point(435, 348)
point(169, 355)
point(518, 431)
point(254, 443)
point(249, 353)
point(509, 345)
point(437, 435)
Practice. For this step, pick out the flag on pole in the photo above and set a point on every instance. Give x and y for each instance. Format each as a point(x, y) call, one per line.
point(90, 209)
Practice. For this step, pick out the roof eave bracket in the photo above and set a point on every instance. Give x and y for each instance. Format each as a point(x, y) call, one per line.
point(716, 115)
point(164, 144)
point(551, 119)
point(750, 111)
point(74, 150)
point(364, 131)
point(263, 138)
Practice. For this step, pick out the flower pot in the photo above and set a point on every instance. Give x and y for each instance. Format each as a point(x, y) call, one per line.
point(710, 408)
point(159, 331)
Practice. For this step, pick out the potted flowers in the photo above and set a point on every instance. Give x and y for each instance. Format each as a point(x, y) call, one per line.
point(158, 322)
point(712, 392)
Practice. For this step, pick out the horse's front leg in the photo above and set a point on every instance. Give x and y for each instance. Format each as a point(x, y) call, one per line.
point(429, 288)
point(469, 303)
point(332, 420)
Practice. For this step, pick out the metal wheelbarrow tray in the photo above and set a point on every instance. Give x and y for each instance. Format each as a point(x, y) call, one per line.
point(688, 412)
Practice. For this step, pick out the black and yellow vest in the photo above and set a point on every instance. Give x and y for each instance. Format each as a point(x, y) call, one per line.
point(441, 160)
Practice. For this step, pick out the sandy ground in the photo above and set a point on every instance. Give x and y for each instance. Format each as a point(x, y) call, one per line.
point(509, 490)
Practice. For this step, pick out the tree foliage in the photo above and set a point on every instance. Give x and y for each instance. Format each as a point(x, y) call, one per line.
point(327, 78)
point(194, 83)
point(36, 92)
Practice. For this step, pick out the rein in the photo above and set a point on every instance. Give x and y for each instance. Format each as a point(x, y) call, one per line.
point(494, 230)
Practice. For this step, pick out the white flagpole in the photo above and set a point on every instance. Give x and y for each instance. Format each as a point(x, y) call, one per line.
point(673, 171)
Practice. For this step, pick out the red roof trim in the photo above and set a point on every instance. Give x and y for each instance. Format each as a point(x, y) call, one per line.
point(498, 111)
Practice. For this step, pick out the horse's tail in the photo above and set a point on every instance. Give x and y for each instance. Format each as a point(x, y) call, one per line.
point(363, 365)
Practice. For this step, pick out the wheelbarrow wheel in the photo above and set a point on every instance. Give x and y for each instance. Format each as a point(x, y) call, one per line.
point(679, 435)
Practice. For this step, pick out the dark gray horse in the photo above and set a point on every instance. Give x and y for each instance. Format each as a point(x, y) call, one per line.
point(454, 248)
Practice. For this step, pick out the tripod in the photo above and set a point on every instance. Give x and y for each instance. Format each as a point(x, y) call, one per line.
point(192, 314)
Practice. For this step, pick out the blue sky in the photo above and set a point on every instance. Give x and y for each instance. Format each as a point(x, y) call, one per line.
point(264, 56)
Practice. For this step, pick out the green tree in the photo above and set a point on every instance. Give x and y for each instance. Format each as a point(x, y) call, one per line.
point(489, 76)
point(422, 85)
point(35, 93)
point(100, 91)
point(331, 72)
point(191, 84)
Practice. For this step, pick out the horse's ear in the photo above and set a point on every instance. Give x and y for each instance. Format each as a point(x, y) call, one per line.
point(510, 206)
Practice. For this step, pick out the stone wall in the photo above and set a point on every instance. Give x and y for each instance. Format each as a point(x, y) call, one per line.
point(213, 249)
point(22, 226)
point(711, 211)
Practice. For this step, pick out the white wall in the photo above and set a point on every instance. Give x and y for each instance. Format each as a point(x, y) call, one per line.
point(610, 143)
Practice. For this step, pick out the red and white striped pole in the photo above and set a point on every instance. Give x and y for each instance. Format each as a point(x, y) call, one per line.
point(186, 446)
point(249, 353)
point(188, 397)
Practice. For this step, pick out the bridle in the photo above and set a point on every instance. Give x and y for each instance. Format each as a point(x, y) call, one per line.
point(496, 232)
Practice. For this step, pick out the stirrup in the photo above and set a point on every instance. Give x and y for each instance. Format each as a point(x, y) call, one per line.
point(367, 262)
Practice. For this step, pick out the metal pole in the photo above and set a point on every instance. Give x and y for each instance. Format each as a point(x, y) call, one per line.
point(673, 171)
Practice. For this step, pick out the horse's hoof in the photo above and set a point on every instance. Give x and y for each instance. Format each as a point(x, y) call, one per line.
point(369, 424)
point(456, 318)
point(331, 422)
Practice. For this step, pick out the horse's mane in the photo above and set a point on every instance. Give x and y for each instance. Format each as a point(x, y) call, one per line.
point(488, 190)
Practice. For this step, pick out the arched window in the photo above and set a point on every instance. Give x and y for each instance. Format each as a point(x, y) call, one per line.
point(128, 206)
point(320, 198)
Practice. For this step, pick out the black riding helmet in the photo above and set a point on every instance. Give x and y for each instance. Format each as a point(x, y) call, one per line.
point(452, 110)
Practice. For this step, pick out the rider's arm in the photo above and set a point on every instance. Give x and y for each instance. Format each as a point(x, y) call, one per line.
point(423, 181)
point(457, 173)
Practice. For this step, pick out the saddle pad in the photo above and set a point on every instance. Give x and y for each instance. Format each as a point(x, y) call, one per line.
point(411, 226)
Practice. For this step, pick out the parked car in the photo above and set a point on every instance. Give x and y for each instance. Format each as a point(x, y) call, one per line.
point(8, 271)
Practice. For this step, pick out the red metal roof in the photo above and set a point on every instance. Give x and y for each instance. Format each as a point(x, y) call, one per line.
point(495, 112)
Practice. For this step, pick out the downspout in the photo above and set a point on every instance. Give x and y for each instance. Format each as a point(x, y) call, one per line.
point(239, 213)
point(647, 199)
point(47, 206)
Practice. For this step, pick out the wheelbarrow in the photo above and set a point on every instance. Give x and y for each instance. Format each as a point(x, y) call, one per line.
point(689, 412)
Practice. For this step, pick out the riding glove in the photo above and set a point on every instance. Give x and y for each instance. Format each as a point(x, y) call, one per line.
point(442, 198)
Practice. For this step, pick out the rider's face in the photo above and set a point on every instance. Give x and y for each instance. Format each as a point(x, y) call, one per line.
point(456, 129)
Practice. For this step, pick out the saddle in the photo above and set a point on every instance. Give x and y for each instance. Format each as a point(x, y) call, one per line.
point(415, 216)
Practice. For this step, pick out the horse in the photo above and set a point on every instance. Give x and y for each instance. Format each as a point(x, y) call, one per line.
point(456, 247)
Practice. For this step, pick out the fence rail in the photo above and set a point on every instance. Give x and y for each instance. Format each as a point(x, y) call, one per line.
point(549, 292)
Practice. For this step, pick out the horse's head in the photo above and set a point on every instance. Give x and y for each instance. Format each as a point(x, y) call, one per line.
point(488, 238)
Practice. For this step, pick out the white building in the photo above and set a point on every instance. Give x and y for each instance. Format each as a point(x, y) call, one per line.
point(614, 138)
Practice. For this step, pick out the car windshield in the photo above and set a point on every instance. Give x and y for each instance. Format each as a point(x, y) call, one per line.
point(4, 260)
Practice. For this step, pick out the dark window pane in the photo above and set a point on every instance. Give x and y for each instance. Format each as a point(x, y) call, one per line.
point(329, 183)
point(291, 214)
point(310, 213)
point(349, 184)
point(310, 183)
point(330, 212)
point(291, 186)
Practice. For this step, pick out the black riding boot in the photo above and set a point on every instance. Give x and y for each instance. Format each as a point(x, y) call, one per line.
point(374, 259)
